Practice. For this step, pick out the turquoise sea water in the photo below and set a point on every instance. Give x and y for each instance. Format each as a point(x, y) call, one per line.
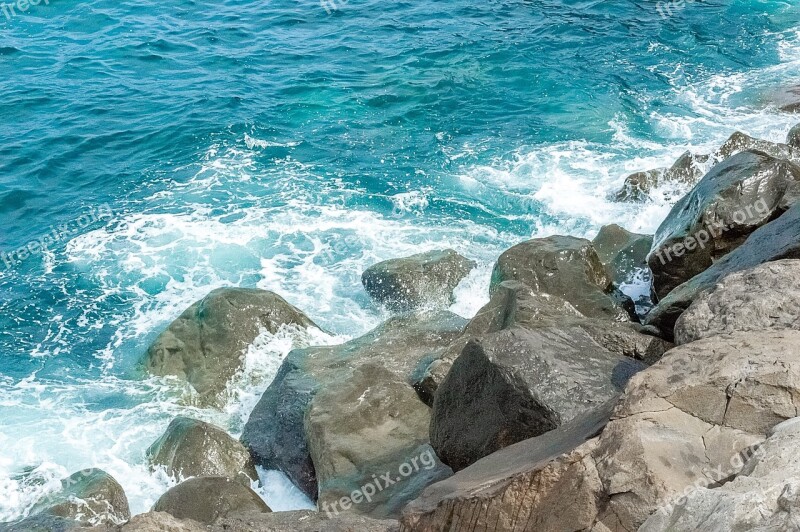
point(178, 146)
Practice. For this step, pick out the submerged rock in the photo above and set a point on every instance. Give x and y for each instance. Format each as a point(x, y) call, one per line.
point(425, 279)
point(335, 416)
point(566, 267)
point(735, 198)
point(779, 239)
point(208, 499)
point(86, 498)
point(206, 344)
point(756, 299)
point(193, 448)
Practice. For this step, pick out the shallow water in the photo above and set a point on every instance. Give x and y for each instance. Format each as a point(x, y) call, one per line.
point(181, 146)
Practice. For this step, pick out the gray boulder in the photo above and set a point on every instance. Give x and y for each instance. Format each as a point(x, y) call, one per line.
point(521, 383)
point(208, 499)
point(87, 498)
point(779, 239)
point(756, 299)
point(735, 198)
point(334, 416)
point(205, 345)
point(193, 448)
point(425, 279)
point(566, 267)
point(793, 138)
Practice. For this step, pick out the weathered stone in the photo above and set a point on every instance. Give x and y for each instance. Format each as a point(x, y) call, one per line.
point(517, 384)
point(206, 344)
point(756, 299)
point(207, 499)
point(687, 418)
point(331, 403)
point(193, 448)
point(425, 279)
point(739, 142)
point(764, 496)
point(779, 239)
point(304, 521)
point(566, 267)
point(735, 198)
point(89, 497)
point(621, 251)
point(540, 484)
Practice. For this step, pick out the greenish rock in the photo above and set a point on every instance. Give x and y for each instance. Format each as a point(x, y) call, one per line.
point(208, 499)
point(423, 280)
point(206, 344)
point(89, 497)
point(193, 448)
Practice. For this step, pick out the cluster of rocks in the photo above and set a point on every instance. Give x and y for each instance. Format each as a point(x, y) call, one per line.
point(557, 407)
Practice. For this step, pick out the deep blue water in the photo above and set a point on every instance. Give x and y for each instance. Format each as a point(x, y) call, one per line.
point(184, 145)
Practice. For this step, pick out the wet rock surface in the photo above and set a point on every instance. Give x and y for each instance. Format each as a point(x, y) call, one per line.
point(206, 344)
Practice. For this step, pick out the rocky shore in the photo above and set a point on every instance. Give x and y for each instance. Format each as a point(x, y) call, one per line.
point(563, 405)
